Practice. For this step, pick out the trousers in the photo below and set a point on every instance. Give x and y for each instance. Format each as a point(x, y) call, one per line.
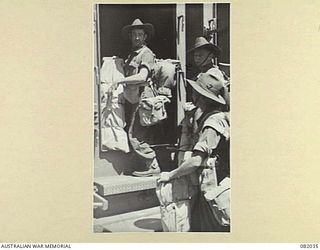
point(140, 137)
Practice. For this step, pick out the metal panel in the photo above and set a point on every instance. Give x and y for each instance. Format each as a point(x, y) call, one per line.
point(123, 184)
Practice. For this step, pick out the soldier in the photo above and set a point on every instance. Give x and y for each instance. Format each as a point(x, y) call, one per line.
point(211, 130)
point(138, 70)
point(204, 54)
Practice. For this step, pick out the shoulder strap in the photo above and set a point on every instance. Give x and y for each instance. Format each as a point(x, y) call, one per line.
point(137, 54)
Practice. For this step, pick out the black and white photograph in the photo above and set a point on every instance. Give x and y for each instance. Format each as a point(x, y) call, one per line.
point(162, 87)
point(159, 122)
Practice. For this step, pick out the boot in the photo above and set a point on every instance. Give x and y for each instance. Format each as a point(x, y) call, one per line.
point(153, 169)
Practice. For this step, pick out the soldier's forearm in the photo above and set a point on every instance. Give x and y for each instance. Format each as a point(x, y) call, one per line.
point(186, 167)
point(135, 79)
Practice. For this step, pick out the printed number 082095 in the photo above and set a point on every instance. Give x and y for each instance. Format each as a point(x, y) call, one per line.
point(309, 246)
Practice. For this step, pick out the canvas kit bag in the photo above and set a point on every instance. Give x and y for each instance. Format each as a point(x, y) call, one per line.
point(219, 200)
point(152, 104)
point(165, 72)
point(218, 196)
point(175, 204)
point(113, 135)
point(152, 110)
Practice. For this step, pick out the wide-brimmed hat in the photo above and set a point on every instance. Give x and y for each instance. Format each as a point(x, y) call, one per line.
point(201, 42)
point(209, 85)
point(138, 24)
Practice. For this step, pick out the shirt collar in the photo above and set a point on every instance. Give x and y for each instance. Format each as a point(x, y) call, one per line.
point(138, 50)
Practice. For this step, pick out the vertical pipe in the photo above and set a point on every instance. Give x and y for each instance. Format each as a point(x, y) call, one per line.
point(181, 35)
point(181, 56)
point(208, 15)
point(215, 34)
point(210, 21)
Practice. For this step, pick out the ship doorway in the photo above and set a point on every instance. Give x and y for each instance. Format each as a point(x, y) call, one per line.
point(111, 18)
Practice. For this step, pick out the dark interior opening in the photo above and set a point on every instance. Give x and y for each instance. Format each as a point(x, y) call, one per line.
point(113, 17)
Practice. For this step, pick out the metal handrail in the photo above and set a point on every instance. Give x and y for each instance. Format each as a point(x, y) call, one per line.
point(103, 204)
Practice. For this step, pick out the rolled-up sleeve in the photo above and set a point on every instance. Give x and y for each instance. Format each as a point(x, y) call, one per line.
point(147, 61)
point(208, 141)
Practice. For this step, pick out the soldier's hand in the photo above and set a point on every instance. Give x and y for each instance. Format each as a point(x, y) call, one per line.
point(189, 106)
point(164, 177)
point(113, 87)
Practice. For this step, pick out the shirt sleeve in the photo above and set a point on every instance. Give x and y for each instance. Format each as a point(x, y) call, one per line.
point(186, 136)
point(147, 61)
point(208, 141)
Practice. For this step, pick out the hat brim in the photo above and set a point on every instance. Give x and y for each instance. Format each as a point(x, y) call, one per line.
point(205, 93)
point(147, 27)
point(211, 47)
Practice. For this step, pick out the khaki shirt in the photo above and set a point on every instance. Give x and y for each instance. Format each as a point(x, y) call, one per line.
point(136, 60)
point(215, 126)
